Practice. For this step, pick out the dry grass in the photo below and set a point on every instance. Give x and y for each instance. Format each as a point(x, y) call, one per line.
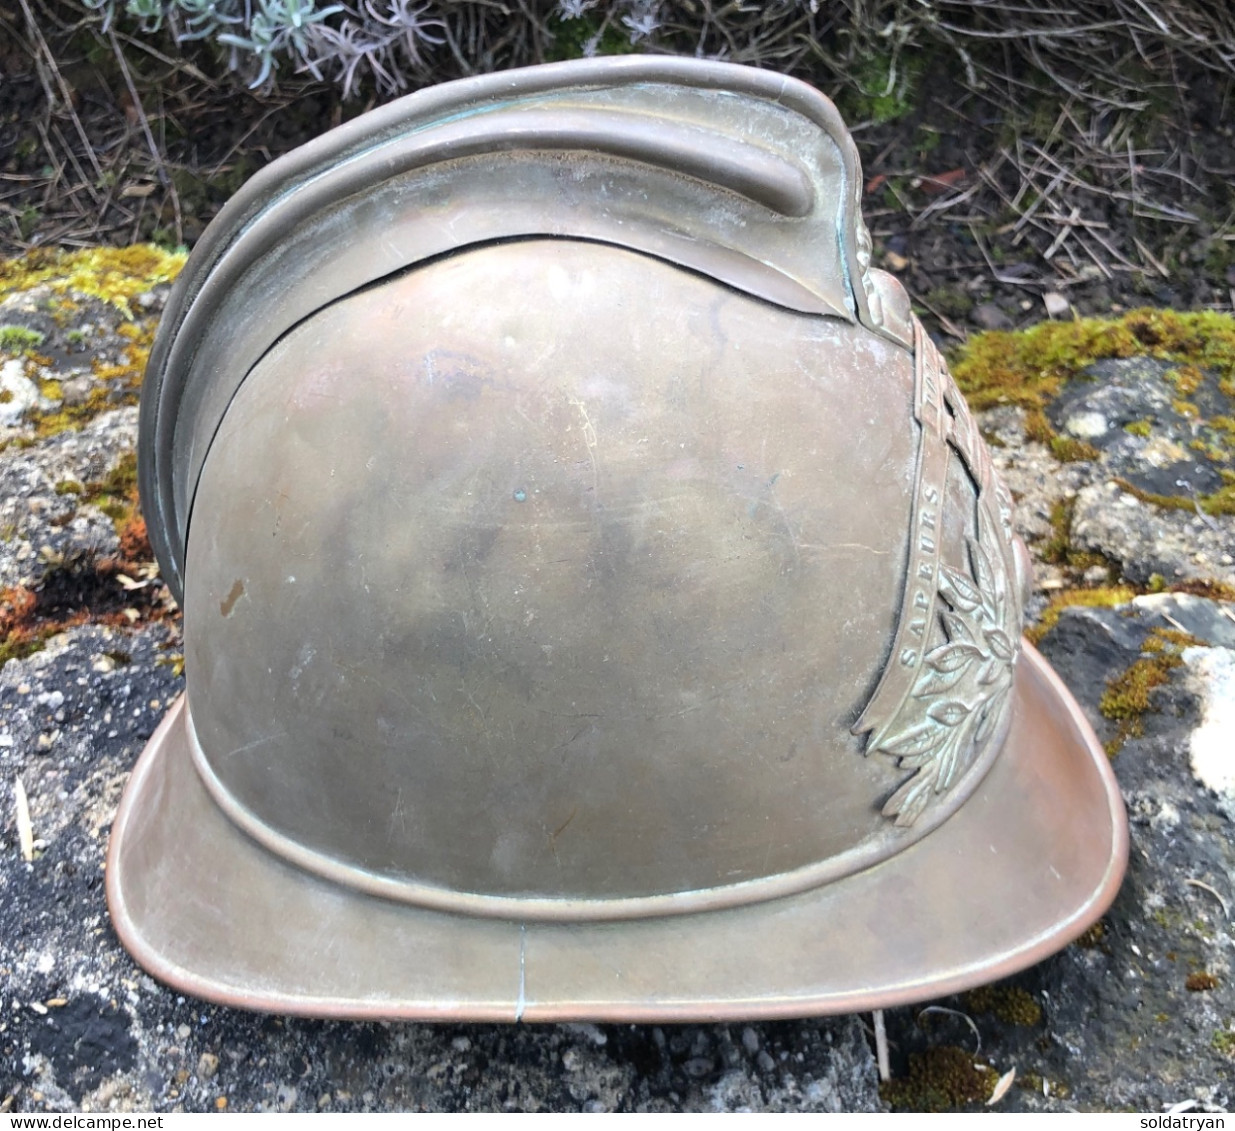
point(1081, 160)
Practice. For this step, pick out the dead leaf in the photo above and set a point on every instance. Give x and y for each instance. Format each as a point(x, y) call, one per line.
point(136, 190)
point(938, 183)
point(1001, 1087)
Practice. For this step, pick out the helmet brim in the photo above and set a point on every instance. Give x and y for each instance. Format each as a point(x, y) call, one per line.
point(1030, 861)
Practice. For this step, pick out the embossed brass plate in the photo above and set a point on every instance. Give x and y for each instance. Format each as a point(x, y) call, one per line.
point(599, 601)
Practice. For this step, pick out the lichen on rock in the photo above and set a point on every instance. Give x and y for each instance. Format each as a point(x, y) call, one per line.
point(76, 330)
point(1142, 407)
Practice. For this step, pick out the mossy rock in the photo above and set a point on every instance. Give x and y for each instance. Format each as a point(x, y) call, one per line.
point(1029, 367)
point(1165, 379)
point(940, 1079)
point(117, 275)
point(99, 285)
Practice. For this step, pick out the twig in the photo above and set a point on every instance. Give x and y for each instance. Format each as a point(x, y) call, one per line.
point(994, 270)
point(1226, 911)
point(944, 321)
point(881, 1046)
point(1065, 232)
point(37, 32)
point(164, 179)
point(963, 1016)
point(1153, 260)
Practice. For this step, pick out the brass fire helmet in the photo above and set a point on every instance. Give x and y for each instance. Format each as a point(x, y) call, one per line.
point(599, 602)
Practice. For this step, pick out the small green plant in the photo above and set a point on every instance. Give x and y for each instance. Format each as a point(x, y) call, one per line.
point(19, 339)
point(884, 88)
point(579, 33)
point(1128, 698)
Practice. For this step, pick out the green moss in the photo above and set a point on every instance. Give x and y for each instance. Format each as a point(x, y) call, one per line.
point(1221, 501)
point(1223, 1041)
point(1028, 367)
point(952, 302)
point(121, 480)
point(1205, 587)
point(1103, 597)
point(1186, 378)
point(1042, 1085)
point(116, 493)
point(1093, 936)
point(12, 648)
point(1128, 697)
point(588, 34)
point(927, 139)
point(1037, 427)
point(175, 661)
point(1202, 928)
point(116, 275)
point(115, 385)
point(1012, 1005)
point(1138, 427)
point(69, 487)
point(940, 1079)
point(1057, 548)
point(20, 339)
point(18, 637)
point(884, 88)
point(1067, 450)
point(1210, 451)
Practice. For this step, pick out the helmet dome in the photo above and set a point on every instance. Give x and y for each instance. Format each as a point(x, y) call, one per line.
point(589, 567)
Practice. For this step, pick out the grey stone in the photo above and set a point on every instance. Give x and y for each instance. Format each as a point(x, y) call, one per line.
point(1116, 394)
point(17, 392)
point(1210, 621)
point(1212, 745)
point(1057, 306)
point(76, 390)
point(1146, 539)
point(47, 523)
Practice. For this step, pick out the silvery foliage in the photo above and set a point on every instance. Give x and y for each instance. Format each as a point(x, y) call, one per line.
point(382, 38)
point(346, 41)
point(641, 19)
point(386, 41)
